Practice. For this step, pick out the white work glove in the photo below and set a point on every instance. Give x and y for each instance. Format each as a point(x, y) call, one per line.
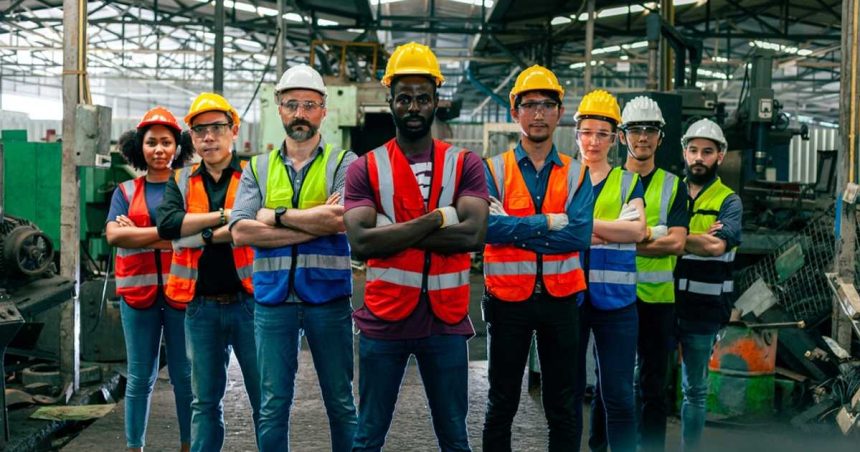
point(628, 213)
point(449, 216)
point(382, 220)
point(496, 207)
point(658, 232)
point(191, 241)
point(556, 221)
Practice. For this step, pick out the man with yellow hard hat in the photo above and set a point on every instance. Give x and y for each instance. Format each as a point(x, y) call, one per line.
point(540, 221)
point(414, 208)
point(209, 274)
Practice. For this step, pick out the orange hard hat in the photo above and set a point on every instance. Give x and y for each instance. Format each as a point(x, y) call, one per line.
point(159, 115)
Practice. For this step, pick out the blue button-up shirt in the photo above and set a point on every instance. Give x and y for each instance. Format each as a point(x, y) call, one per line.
point(532, 232)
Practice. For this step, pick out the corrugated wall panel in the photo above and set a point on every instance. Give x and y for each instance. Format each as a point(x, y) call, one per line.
point(803, 155)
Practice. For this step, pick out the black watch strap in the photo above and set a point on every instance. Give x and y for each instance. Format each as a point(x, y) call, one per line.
point(279, 212)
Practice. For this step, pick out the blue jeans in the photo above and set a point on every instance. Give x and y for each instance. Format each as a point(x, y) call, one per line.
point(212, 330)
point(142, 329)
point(443, 362)
point(695, 353)
point(613, 410)
point(328, 328)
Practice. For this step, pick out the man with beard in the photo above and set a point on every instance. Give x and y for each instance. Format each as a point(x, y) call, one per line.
point(541, 218)
point(667, 218)
point(415, 208)
point(289, 209)
point(704, 273)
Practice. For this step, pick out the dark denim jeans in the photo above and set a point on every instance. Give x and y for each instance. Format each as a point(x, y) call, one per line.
point(657, 341)
point(613, 410)
point(328, 328)
point(142, 329)
point(443, 362)
point(695, 353)
point(212, 331)
point(510, 327)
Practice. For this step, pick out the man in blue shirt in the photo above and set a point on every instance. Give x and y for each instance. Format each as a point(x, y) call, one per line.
point(541, 218)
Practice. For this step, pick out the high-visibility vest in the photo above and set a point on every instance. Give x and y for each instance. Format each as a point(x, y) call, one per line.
point(612, 267)
point(511, 273)
point(395, 283)
point(182, 283)
point(705, 284)
point(655, 278)
point(318, 270)
point(137, 269)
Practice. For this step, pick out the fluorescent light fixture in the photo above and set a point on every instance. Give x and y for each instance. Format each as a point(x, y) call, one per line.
point(248, 8)
point(582, 64)
point(487, 3)
point(635, 45)
point(383, 2)
point(610, 12)
point(780, 48)
point(719, 59)
point(560, 20)
point(606, 50)
point(712, 74)
point(326, 22)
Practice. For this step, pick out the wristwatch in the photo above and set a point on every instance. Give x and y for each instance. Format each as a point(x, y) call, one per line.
point(207, 235)
point(279, 212)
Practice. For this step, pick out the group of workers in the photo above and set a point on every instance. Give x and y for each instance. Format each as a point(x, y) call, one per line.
point(225, 255)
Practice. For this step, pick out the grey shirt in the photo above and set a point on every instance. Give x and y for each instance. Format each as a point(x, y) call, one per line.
point(249, 200)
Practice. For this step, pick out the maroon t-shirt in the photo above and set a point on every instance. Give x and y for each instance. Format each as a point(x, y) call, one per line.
point(358, 192)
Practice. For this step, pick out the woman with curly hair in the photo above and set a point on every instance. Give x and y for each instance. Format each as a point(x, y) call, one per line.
point(142, 266)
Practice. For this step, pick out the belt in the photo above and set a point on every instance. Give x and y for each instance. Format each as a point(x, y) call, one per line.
point(227, 298)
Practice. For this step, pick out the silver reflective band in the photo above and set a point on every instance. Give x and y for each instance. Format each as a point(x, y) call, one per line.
point(626, 182)
point(245, 272)
point(327, 262)
point(572, 182)
point(386, 181)
point(448, 280)
point(666, 197)
point(611, 277)
point(126, 252)
point(510, 268)
point(449, 176)
point(183, 272)
point(561, 267)
point(727, 257)
point(394, 276)
point(498, 174)
point(272, 264)
point(137, 280)
point(182, 183)
point(332, 163)
point(655, 277)
point(615, 247)
point(713, 289)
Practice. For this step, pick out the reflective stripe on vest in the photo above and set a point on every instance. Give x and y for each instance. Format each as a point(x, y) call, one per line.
point(395, 283)
point(323, 270)
point(182, 282)
point(510, 272)
point(612, 267)
point(137, 270)
point(655, 280)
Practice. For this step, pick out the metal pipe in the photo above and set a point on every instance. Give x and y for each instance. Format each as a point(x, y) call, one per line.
point(282, 38)
point(589, 45)
point(218, 61)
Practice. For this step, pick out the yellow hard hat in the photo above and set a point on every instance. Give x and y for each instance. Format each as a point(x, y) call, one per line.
point(412, 59)
point(601, 104)
point(210, 102)
point(533, 79)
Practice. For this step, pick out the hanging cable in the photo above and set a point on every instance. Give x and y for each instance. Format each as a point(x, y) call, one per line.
point(262, 77)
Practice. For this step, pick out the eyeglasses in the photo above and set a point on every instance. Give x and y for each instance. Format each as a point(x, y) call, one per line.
point(599, 137)
point(216, 129)
point(638, 131)
point(544, 106)
point(309, 106)
point(405, 100)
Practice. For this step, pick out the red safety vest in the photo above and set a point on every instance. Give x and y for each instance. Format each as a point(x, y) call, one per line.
point(182, 282)
point(137, 268)
point(395, 283)
point(510, 273)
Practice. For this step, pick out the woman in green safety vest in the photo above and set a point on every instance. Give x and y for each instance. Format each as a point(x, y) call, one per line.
point(609, 309)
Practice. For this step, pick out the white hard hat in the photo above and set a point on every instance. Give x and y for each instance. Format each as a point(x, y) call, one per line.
point(705, 128)
point(642, 109)
point(301, 77)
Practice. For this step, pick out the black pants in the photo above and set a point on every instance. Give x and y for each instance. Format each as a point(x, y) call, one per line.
point(657, 340)
point(510, 327)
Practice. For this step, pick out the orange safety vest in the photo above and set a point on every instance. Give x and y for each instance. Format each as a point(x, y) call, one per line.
point(395, 283)
point(183, 270)
point(510, 273)
point(137, 268)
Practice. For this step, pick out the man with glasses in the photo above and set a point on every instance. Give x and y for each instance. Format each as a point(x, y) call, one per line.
point(540, 220)
point(209, 272)
point(415, 208)
point(667, 219)
point(289, 209)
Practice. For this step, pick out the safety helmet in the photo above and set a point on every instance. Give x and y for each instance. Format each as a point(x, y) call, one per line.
point(301, 77)
point(533, 79)
point(211, 102)
point(705, 128)
point(600, 104)
point(642, 109)
point(159, 115)
point(412, 59)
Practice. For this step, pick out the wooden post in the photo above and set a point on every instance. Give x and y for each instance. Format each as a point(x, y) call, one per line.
point(849, 111)
point(70, 233)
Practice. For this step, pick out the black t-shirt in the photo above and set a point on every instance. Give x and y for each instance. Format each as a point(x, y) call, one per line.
point(679, 212)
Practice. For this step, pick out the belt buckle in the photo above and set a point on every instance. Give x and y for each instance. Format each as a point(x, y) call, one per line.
point(224, 298)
